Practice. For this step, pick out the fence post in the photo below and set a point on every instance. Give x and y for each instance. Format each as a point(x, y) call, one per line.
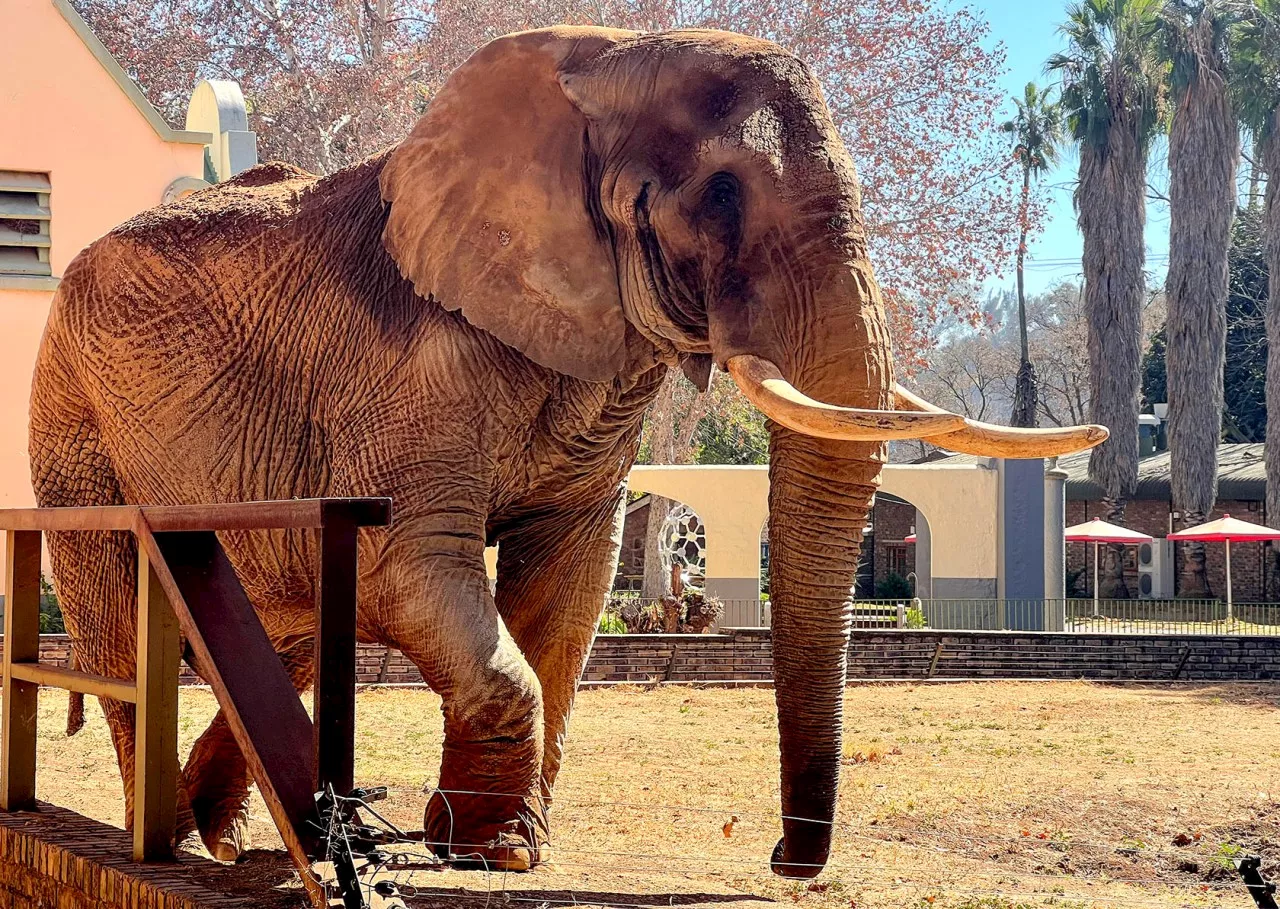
point(21, 645)
point(155, 755)
point(335, 656)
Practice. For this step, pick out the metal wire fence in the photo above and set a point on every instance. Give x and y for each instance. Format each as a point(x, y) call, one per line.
point(1004, 870)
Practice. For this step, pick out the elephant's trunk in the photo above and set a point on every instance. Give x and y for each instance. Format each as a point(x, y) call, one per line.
point(819, 495)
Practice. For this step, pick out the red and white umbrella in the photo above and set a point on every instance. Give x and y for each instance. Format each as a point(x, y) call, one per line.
point(1226, 530)
point(1099, 531)
point(909, 538)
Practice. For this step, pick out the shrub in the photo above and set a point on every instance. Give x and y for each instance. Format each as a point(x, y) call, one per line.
point(915, 617)
point(611, 623)
point(50, 611)
point(1075, 584)
point(893, 587)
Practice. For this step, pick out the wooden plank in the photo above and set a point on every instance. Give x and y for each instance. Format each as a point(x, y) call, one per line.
point(21, 644)
point(296, 514)
point(231, 651)
point(155, 777)
point(335, 655)
point(99, 686)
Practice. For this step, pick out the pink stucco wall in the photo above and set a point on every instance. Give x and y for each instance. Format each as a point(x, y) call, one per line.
point(61, 113)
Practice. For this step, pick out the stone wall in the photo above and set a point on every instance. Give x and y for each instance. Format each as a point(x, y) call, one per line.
point(743, 655)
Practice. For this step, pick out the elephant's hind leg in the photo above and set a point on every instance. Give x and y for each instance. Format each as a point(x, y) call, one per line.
point(95, 574)
point(217, 776)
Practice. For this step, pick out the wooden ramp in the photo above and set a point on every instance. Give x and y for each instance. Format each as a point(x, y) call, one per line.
point(187, 583)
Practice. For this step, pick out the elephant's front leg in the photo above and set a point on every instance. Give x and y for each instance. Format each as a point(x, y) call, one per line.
point(553, 577)
point(441, 615)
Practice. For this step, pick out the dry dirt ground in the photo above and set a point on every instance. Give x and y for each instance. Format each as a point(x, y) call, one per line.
point(992, 795)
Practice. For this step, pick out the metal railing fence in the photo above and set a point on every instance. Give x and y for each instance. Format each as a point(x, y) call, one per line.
point(993, 614)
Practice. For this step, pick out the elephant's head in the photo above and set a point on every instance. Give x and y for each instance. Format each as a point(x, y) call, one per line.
point(583, 193)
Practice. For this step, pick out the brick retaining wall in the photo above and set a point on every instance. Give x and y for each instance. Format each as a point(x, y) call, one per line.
point(744, 655)
point(57, 859)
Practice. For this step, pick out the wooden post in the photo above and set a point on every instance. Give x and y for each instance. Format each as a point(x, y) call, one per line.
point(155, 768)
point(335, 654)
point(21, 644)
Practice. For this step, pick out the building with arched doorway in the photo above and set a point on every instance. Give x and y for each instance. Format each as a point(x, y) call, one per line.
point(985, 530)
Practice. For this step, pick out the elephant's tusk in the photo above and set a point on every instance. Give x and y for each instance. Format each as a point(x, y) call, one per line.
point(989, 440)
point(765, 387)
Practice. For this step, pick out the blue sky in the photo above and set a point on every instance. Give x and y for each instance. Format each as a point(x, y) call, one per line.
point(1029, 31)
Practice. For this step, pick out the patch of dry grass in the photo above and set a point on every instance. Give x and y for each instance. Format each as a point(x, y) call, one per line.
point(994, 795)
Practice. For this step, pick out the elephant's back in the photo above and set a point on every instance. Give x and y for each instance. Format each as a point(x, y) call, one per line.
point(195, 335)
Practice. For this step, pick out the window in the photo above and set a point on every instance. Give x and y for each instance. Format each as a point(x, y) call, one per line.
point(24, 224)
point(895, 559)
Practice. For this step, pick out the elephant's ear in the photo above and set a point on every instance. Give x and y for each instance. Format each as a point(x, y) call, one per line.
point(489, 204)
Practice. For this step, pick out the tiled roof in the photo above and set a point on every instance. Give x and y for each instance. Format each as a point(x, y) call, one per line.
point(1242, 474)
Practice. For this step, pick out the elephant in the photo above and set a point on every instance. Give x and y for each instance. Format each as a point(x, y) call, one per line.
point(473, 323)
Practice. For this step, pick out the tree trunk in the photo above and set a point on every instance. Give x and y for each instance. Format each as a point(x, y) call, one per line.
point(1111, 582)
point(657, 557)
point(1111, 201)
point(1204, 152)
point(1025, 405)
point(1271, 225)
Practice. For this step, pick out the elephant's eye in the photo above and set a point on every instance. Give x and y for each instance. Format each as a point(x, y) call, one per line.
point(721, 196)
point(721, 207)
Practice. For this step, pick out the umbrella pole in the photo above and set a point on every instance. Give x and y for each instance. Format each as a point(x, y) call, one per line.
point(1228, 581)
point(1095, 579)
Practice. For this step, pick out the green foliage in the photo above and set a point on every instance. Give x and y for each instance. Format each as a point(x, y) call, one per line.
point(611, 623)
point(1189, 28)
point(1227, 855)
point(1036, 130)
point(1245, 415)
point(915, 617)
point(1255, 66)
point(894, 587)
point(1111, 69)
point(1155, 375)
point(50, 612)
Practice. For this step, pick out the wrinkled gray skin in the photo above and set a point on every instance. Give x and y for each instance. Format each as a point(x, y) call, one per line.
point(474, 324)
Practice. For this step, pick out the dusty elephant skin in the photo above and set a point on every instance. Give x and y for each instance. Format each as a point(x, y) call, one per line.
point(473, 324)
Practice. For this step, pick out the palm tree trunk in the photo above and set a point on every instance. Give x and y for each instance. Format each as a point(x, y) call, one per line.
point(1204, 151)
point(1025, 404)
point(1111, 202)
point(1270, 148)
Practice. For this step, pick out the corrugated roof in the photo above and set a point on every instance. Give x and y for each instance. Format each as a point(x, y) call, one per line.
point(1242, 474)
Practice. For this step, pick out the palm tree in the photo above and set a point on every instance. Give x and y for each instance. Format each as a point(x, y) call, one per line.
point(1256, 84)
point(1204, 152)
point(1112, 92)
point(1036, 130)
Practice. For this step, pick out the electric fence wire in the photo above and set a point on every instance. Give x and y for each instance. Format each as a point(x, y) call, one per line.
point(867, 875)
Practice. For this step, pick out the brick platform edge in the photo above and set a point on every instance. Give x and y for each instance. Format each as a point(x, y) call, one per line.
point(56, 859)
point(743, 655)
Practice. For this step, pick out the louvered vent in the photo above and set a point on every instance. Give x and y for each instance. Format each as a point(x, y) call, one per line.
point(24, 223)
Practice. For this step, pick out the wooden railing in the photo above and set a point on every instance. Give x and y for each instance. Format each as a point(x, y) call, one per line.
point(188, 590)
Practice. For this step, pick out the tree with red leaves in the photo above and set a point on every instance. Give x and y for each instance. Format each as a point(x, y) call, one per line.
point(909, 82)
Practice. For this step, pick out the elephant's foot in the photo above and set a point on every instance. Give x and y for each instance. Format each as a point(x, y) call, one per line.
point(493, 833)
point(224, 829)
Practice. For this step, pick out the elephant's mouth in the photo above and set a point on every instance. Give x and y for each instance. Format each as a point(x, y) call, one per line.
point(763, 384)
